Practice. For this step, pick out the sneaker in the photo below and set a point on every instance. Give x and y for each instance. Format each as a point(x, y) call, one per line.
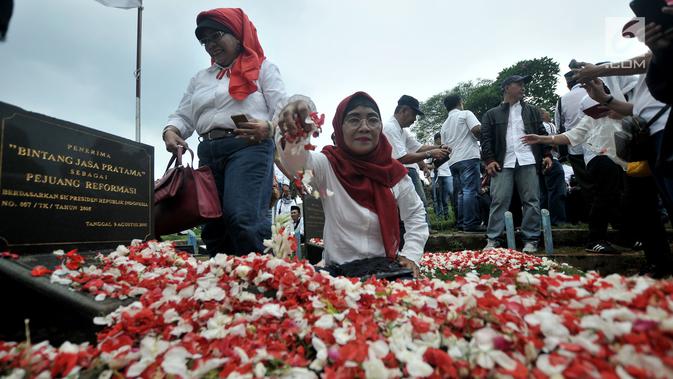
point(600, 247)
point(476, 229)
point(637, 246)
point(530, 248)
point(492, 244)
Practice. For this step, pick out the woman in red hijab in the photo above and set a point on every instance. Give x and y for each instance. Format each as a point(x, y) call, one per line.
point(230, 105)
point(363, 188)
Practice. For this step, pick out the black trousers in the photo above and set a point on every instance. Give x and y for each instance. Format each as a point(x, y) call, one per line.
point(584, 180)
point(607, 194)
point(643, 222)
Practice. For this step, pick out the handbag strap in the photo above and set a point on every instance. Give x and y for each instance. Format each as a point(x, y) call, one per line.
point(177, 157)
point(657, 116)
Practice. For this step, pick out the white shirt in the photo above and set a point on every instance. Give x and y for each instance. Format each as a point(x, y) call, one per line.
point(567, 173)
point(299, 228)
point(621, 86)
point(352, 231)
point(597, 136)
point(284, 206)
point(572, 113)
point(400, 139)
point(551, 130)
point(646, 106)
point(456, 132)
point(516, 150)
point(444, 170)
point(207, 104)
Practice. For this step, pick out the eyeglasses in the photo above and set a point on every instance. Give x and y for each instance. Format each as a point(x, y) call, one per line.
point(372, 121)
point(213, 37)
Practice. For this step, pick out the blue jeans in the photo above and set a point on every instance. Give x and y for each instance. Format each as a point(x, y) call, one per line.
point(436, 195)
point(553, 193)
point(445, 194)
point(244, 176)
point(418, 185)
point(466, 191)
point(502, 186)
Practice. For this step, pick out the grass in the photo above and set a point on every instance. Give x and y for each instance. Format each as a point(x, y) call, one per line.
point(182, 237)
point(441, 223)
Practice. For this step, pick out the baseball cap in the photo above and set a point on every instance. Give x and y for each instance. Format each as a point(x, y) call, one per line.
point(411, 102)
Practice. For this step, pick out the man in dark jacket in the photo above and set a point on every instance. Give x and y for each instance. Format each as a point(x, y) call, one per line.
point(510, 162)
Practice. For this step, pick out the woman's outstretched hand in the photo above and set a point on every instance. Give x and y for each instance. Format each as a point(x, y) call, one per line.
point(531, 139)
point(293, 117)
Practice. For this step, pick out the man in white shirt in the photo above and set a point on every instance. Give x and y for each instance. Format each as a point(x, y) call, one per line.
point(406, 148)
point(285, 203)
point(460, 132)
point(566, 116)
point(510, 162)
point(297, 221)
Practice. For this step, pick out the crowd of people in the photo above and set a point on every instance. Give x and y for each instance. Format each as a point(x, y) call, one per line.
point(511, 159)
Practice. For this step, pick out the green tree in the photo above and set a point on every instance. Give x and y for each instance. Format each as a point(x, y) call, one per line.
point(480, 95)
point(541, 91)
point(482, 98)
point(435, 114)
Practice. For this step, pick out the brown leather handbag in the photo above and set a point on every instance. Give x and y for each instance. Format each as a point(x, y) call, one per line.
point(184, 197)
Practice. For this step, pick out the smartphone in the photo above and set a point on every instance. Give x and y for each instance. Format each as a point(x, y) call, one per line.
point(597, 111)
point(651, 10)
point(239, 118)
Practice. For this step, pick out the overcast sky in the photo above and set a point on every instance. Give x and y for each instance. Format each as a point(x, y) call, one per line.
point(74, 59)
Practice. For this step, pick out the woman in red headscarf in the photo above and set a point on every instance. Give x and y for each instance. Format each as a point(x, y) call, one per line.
point(363, 188)
point(230, 105)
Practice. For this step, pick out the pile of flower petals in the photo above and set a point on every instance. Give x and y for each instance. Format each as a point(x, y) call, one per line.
point(434, 264)
point(258, 316)
point(129, 271)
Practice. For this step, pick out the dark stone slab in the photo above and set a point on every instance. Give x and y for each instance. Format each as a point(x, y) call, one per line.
point(18, 273)
point(314, 223)
point(65, 186)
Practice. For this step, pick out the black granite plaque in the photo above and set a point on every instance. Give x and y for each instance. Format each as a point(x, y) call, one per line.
point(314, 223)
point(314, 217)
point(63, 185)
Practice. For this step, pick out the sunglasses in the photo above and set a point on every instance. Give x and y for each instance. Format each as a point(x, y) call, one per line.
point(212, 38)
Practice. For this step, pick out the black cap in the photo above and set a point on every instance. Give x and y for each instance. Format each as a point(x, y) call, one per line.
point(514, 79)
point(209, 23)
point(411, 102)
point(569, 78)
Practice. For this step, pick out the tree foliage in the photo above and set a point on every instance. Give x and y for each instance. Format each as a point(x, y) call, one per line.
point(541, 91)
point(481, 95)
point(478, 95)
